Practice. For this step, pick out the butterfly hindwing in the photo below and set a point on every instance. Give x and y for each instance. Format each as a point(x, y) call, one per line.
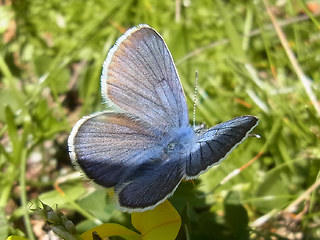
point(151, 184)
point(108, 146)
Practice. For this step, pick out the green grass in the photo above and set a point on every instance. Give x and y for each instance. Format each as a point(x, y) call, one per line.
point(50, 66)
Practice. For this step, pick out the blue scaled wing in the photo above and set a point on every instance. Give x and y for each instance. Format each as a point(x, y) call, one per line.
point(139, 76)
point(109, 146)
point(215, 144)
point(116, 150)
point(151, 184)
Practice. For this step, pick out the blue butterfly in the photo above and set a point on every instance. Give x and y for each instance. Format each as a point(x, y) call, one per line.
point(145, 146)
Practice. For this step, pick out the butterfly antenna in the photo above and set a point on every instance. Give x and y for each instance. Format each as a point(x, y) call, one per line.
point(195, 100)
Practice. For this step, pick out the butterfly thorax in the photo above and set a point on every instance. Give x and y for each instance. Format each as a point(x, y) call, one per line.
point(178, 142)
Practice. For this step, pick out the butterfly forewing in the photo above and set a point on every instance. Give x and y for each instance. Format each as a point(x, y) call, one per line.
point(215, 144)
point(139, 76)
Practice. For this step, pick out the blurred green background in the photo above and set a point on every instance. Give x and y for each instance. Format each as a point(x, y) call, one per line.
point(50, 65)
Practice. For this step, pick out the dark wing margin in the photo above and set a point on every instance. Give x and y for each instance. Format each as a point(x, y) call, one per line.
point(215, 144)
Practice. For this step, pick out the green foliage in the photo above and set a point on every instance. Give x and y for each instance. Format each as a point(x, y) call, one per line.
point(51, 56)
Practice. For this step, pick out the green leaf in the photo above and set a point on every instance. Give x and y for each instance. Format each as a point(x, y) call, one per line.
point(163, 222)
point(272, 192)
point(100, 207)
point(12, 128)
point(236, 216)
point(73, 190)
point(4, 228)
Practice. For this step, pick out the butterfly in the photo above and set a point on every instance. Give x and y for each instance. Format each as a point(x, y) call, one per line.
point(144, 147)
